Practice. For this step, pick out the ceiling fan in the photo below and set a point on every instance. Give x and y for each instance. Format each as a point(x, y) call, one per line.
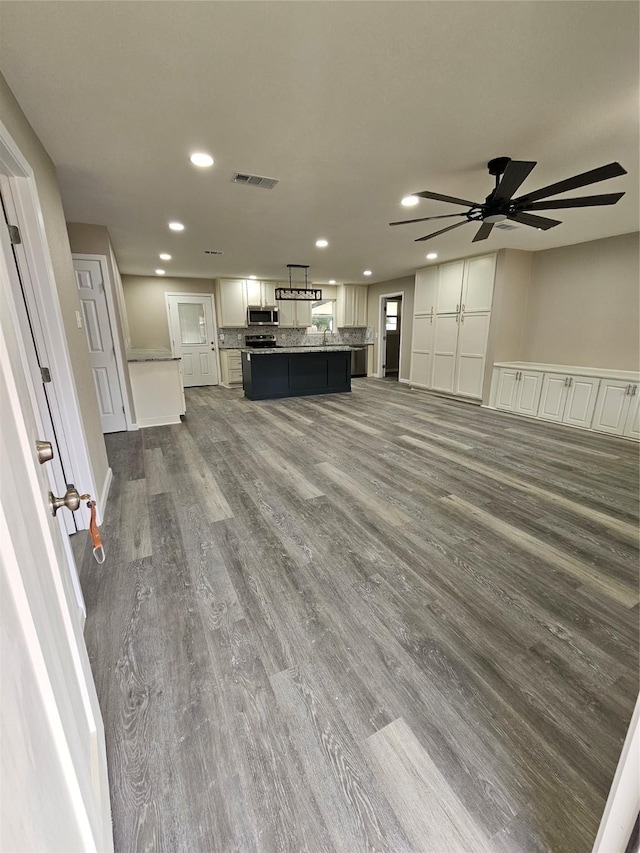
point(500, 204)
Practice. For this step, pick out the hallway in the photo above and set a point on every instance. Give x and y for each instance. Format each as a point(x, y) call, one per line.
point(374, 621)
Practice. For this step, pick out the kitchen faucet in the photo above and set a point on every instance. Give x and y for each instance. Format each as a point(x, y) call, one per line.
point(324, 335)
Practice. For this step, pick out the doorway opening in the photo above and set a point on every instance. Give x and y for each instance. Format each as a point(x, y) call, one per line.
point(390, 335)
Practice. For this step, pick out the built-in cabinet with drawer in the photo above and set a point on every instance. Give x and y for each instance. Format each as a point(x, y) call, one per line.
point(261, 294)
point(597, 399)
point(352, 305)
point(231, 367)
point(232, 303)
point(452, 312)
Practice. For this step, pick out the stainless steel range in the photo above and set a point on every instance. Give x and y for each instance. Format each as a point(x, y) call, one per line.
point(260, 341)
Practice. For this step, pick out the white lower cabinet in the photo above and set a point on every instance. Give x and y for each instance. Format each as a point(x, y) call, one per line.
point(422, 353)
point(568, 399)
point(616, 409)
point(609, 404)
point(519, 391)
point(471, 350)
point(444, 352)
point(231, 367)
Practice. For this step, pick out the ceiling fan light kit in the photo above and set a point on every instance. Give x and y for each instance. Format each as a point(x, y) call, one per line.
point(500, 204)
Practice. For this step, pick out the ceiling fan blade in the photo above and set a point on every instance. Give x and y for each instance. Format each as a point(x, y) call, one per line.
point(449, 198)
point(435, 233)
point(583, 201)
point(425, 218)
point(514, 175)
point(611, 170)
point(534, 221)
point(483, 232)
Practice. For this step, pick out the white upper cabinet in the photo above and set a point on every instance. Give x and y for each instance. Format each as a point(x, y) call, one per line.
point(449, 296)
point(352, 305)
point(477, 287)
point(261, 294)
point(293, 313)
point(232, 302)
point(426, 291)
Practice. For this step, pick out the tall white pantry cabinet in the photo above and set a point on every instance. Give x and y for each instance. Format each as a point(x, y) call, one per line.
point(452, 313)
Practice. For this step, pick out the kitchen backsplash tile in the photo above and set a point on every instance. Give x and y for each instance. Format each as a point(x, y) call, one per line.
point(234, 338)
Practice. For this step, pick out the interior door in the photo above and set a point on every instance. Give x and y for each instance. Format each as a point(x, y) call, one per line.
point(193, 338)
point(393, 319)
point(97, 326)
point(34, 363)
point(54, 794)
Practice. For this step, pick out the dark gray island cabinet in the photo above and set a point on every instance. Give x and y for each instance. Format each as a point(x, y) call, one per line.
point(295, 372)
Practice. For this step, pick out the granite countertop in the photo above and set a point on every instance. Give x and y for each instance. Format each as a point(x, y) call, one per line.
point(133, 357)
point(272, 350)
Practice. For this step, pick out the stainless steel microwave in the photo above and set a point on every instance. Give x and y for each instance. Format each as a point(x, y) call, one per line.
point(262, 316)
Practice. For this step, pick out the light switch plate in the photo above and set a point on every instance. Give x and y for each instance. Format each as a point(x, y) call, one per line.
point(78, 319)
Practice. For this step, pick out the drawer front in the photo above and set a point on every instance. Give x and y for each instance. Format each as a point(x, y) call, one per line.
point(235, 375)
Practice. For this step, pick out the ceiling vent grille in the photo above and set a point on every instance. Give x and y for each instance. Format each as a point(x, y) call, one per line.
point(254, 180)
point(504, 226)
point(213, 252)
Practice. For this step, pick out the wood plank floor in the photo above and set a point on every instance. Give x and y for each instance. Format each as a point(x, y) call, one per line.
point(380, 621)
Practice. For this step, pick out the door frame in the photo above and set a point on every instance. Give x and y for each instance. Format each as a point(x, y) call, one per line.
point(109, 288)
point(40, 282)
point(216, 343)
point(382, 331)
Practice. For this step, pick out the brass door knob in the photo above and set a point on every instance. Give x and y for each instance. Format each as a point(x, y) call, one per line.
point(44, 451)
point(71, 499)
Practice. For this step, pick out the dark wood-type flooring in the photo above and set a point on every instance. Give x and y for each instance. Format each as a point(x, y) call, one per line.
point(374, 621)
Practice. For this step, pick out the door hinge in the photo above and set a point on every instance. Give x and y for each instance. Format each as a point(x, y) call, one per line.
point(46, 374)
point(14, 235)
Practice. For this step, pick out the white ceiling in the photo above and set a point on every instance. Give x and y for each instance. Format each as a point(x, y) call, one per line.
point(351, 105)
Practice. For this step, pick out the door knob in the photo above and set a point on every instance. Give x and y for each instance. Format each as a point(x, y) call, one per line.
point(44, 451)
point(71, 499)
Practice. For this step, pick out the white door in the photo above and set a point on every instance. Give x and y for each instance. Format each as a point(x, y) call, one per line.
point(54, 788)
point(449, 287)
point(102, 354)
point(444, 352)
point(471, 353)
point(553, 396)
point(581, 401)
point(612, 406)
point(193, 337)
point(632, 423)
point(477, 291)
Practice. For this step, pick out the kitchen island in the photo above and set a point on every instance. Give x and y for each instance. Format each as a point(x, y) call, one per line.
point(295, 371)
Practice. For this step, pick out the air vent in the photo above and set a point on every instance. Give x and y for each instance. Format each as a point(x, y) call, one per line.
point(254, 180)
point(213, 252)
point(504, 226)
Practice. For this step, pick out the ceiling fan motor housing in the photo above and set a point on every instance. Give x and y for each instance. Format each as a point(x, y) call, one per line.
point(498, 165)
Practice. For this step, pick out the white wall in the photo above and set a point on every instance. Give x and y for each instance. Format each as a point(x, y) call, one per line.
point(583, 305)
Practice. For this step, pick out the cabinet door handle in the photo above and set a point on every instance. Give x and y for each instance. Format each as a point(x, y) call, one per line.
point(461, 317)
point(570, 381)
point(634, 390)
point(566, 381)
point(463, 307)
point(627, 390)
point(431, 317)
point(457, 307)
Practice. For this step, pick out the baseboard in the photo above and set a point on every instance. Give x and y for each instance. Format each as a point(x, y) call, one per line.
point(404, 381)
point(132, 427)
point(104, 494)
point(163, 420)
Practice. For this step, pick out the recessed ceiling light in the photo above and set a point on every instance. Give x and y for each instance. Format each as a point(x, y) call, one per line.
point(202, 160)
point(253, 276)
point(164, 256)
point(366, 272)
point(410, 201)
point(176, 226)
point(432, 256)
point(159, 272)
point(322, 243)
point(332, 281)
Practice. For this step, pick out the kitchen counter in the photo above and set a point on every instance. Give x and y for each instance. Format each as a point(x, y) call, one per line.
point(296, 371)
point(276, 350)
point(156, 384)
